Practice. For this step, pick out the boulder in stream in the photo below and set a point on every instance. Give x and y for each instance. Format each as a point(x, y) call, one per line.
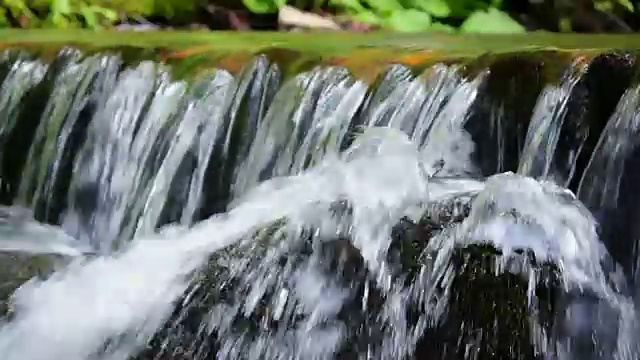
point(304, 294)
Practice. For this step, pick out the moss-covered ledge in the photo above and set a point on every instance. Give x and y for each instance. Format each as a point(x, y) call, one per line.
point(365, 53)
point(334, 43)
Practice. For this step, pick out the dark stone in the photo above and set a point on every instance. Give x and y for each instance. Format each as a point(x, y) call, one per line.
point(488, 314)
point(488, 310)
point(255, 88)
point(500, 115)
point(590, 105)
point(17, 268)
point(49, 208)
point(609, 186)
point(14, 146)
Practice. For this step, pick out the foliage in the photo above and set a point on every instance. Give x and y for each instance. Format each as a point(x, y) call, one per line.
point(93, 14)
point(606, 5)
point(462, 16)
point(60, 14)
point(418, 15)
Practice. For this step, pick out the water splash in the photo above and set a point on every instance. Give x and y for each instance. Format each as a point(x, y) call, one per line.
point(124, 313)
point(305, 261)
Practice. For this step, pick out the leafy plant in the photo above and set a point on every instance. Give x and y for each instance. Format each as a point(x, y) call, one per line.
point(93, 14)
point(60, 14)
point(16, 9)
point(418, 15)
point(500, 22)
point(63, 14)
point(607, 5)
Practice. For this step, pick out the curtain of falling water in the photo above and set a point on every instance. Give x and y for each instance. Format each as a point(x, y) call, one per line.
point(328, 99)
point(22, 75)
point(201, 121)
point(136, 125)
point(80, 88)
point(155, 145)
point(546, 126)
point(608, 186)
point(117, 156)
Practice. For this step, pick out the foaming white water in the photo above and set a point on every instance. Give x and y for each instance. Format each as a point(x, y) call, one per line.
point(106, 307)
point(110, 306)
point(564, 234)
point(19, 232)
point(513, 213)
point(36, 238)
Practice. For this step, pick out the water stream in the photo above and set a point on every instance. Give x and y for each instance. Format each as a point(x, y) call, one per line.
point(313, 217)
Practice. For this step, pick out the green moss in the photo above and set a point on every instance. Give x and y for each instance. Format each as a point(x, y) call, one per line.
point(365, 55)
point(338, 43)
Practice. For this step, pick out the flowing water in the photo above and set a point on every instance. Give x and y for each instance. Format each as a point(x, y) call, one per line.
point(313, 217)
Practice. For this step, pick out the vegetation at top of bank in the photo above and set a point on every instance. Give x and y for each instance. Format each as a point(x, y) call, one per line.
point(452, 16)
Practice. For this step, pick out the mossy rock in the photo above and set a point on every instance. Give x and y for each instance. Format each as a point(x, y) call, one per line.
point(16, 268)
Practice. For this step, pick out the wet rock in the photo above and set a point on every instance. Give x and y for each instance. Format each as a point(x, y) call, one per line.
point(65, 129)
point(500, 116)
point(255, 89)
point(589, 107)
point(608, 187)
point(20, 126)
point(16, 268)
point(488, 313)
point(28, 250)
point(259, 299)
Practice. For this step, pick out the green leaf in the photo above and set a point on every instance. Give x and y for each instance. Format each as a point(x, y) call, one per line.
point(349, 4)
point(108, 14)
point(90, 17)
point(437, 8)
point(260, 6)
point(280, 3)
point(368, 17)
point(61, 7)
point(464, 8)
point(409, 20)
point(59, 21)
point(386, 7)
point(491, 21)
point(627, 4)
point(442, 28)
point(4, 22)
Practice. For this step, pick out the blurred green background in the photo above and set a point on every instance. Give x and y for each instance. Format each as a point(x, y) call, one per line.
point(453, 16)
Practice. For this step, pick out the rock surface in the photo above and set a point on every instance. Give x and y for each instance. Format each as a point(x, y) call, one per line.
point(251, 306)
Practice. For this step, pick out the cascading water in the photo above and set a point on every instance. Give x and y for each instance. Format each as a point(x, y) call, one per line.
point(315, 217)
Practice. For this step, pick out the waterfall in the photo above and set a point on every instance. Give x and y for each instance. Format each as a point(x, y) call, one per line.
point(259, 214)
